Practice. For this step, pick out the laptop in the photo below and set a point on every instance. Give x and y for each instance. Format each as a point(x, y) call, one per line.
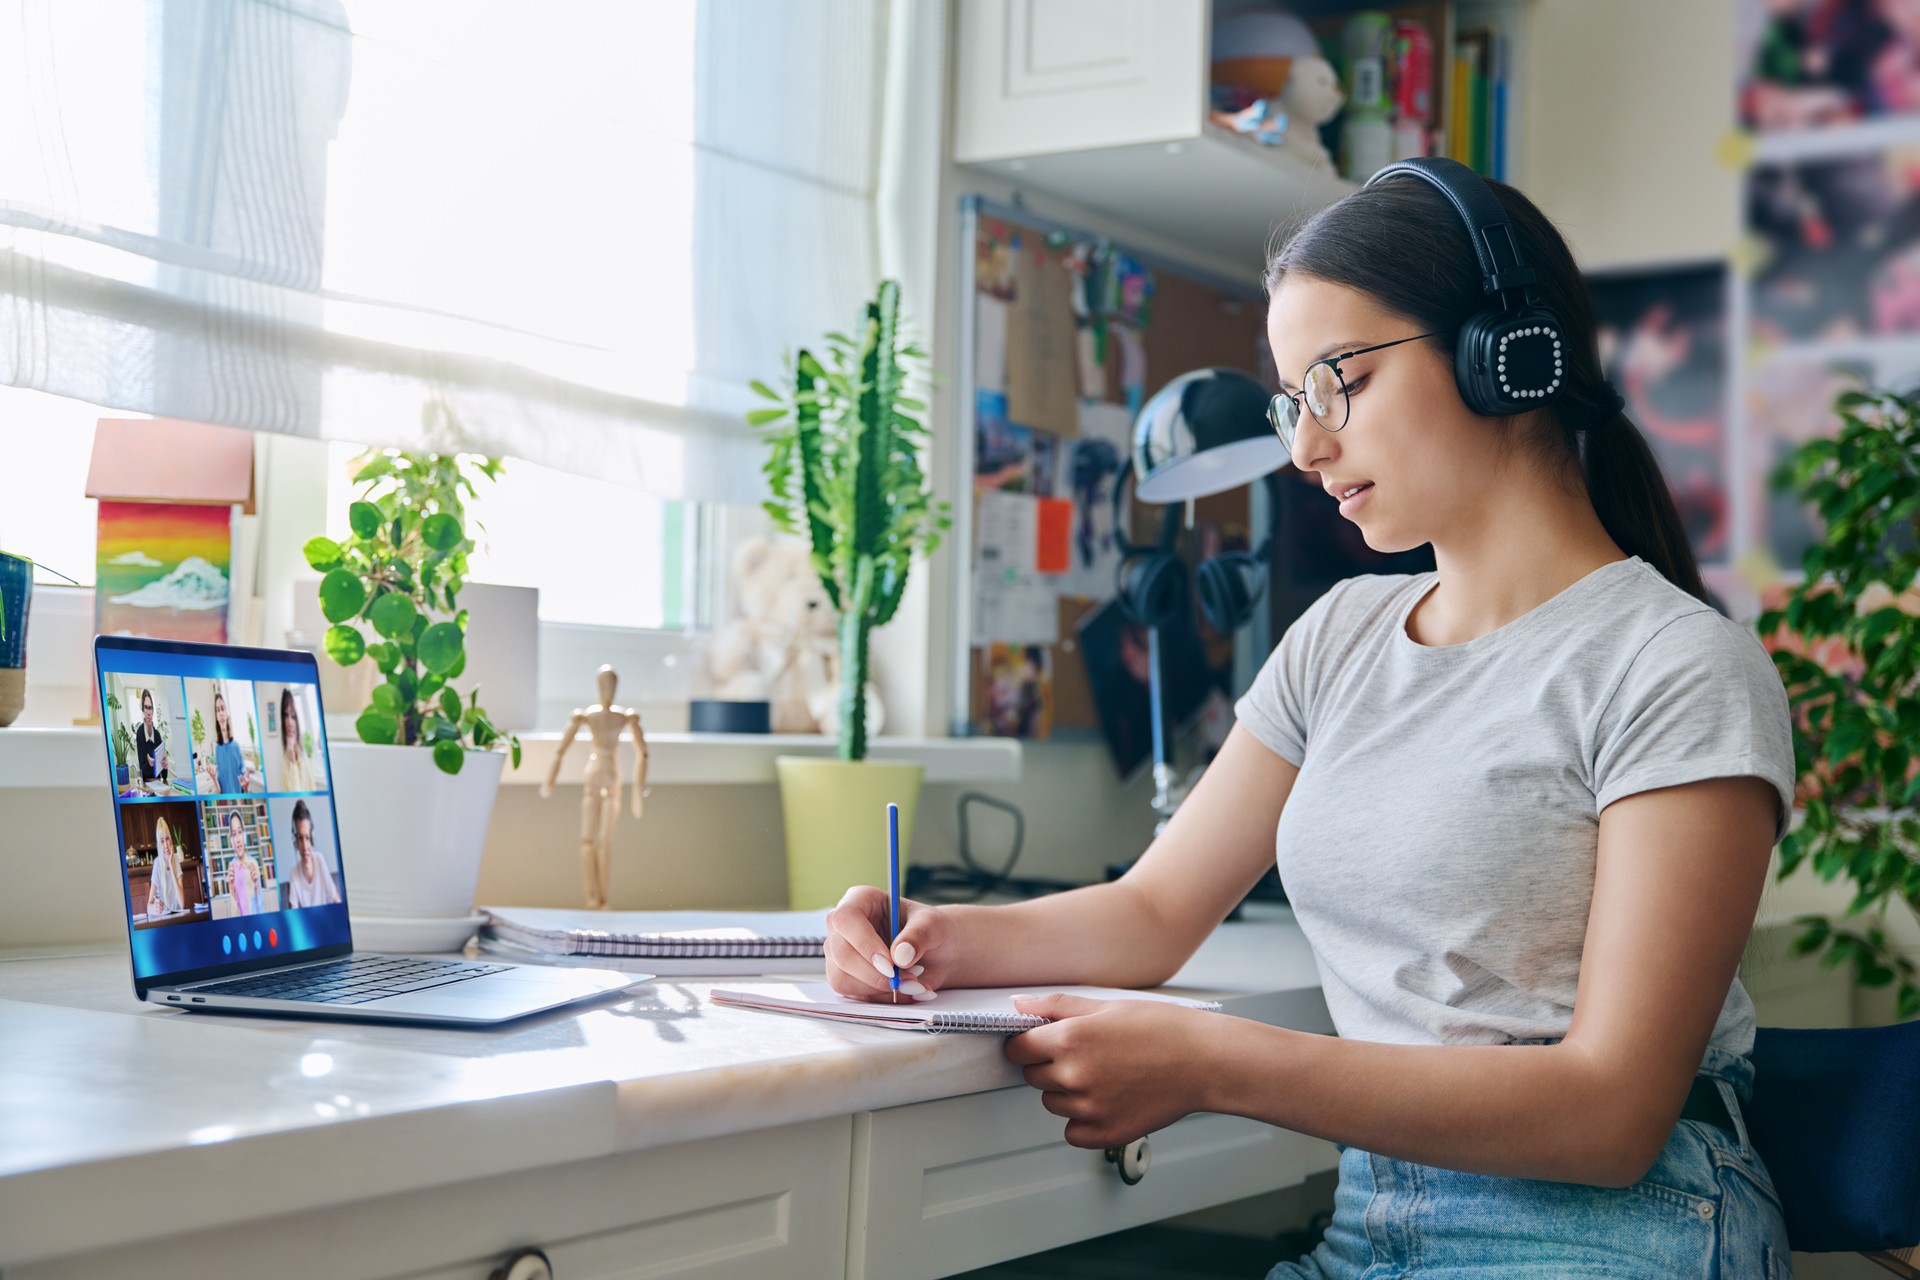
point(229, 853)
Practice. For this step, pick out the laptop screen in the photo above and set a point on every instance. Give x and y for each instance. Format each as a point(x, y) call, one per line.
point(228, 848)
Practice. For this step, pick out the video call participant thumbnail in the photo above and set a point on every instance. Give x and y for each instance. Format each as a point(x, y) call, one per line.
point(166, 874)
point(310, 881)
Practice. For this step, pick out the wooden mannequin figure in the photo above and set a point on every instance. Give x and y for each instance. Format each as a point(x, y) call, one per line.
point(600, 805)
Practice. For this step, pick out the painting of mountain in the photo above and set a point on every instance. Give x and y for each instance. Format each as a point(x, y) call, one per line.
point(163, 570)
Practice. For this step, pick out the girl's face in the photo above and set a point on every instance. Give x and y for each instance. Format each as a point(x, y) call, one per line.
point(236, 834)
point(146, 709)
point(1429, 458)
point(163, 842)
point(220, 715)
point(290, 729)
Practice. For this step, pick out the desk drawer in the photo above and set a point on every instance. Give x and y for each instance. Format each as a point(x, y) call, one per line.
point(945, 1186)
point(768, 1203)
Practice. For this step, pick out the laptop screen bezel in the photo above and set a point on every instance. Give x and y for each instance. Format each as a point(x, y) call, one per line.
point(298, 661)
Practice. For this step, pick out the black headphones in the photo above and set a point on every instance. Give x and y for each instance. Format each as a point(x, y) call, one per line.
point(1151, 582)
point(1508, 358)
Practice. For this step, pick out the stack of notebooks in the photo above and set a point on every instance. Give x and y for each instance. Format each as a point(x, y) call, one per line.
point(670, 943)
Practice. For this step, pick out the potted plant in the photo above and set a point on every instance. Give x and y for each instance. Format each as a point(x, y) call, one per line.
point(417, 798)
point(844, 471)
point(122, 740)
point(1847, 643)
point(16, 598)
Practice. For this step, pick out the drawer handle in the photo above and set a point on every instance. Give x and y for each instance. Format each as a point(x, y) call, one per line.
point(1132, 1160)
point(528, 1264)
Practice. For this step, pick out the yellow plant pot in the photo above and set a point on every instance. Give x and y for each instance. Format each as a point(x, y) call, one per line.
point(836, 817)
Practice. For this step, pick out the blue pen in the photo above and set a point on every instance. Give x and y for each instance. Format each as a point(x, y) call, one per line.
point(893, 892)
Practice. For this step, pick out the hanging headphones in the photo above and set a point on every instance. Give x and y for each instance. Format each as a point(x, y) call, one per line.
point(1508, 357)
point(1151, 581)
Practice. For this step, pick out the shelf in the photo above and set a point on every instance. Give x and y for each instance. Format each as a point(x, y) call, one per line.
point(1217, 190)
point(748, 757)
point(75, 757)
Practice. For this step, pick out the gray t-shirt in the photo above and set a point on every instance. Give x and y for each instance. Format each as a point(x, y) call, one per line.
point(1439, 845)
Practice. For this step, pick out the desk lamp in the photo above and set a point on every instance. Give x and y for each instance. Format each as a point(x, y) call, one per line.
point(1203, 433)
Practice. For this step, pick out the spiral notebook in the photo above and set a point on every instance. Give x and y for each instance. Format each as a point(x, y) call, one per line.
point(985, 1009)
point(662, 934)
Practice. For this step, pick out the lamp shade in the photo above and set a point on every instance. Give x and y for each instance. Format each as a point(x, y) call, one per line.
point(1203, 433)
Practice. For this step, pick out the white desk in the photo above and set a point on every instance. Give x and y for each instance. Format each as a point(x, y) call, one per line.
point(652, 1135)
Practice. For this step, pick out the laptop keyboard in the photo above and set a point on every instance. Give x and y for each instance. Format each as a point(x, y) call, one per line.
point(354, 980)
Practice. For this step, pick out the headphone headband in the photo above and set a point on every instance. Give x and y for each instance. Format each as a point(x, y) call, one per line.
point(1501, 266)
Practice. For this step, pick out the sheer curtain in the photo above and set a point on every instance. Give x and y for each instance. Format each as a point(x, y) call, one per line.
point(566, 230)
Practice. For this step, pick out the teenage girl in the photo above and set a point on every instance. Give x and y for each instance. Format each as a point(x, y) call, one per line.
point(1523, 804)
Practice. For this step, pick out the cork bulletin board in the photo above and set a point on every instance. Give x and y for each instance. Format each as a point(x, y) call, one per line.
point(1064, 336)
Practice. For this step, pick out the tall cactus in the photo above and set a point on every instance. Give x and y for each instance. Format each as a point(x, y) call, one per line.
point(844, 470)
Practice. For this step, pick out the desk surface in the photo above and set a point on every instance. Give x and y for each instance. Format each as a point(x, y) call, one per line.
point(105, 1097)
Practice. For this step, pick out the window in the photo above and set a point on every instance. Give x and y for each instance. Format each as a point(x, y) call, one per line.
point(45, 444)
point(601, 554)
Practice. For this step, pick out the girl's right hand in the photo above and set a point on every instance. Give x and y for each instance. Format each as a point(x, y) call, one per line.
point(857, 961)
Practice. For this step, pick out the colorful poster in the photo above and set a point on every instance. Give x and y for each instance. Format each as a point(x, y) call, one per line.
point(163, 570)
point(1811, 64)
point(1835, 247)
point(1019, 691)
point(1663, 342)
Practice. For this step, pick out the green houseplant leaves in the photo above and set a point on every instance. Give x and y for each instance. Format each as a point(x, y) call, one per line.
point(391, 592)
point(1857, 710)
point(844, 467)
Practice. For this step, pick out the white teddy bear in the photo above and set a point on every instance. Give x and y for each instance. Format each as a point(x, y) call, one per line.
point(784, 646)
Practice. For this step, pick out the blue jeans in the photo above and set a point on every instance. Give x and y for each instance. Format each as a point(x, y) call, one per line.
point(1707, 1209)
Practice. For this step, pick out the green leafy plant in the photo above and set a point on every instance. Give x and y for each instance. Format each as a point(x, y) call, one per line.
point(197, 729)
point(845, 473)
point(1847, 644)
point(122, 739)
point(392, 592)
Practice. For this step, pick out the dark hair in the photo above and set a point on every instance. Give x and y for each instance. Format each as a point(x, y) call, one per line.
point(220, 735)
point(287, 708)
point(1402, 244)
point(300, 814)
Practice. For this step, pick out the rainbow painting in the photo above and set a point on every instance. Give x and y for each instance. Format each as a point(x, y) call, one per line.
point(163, 570)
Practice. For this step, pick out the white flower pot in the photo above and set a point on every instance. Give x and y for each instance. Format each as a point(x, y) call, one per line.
point(411, 836)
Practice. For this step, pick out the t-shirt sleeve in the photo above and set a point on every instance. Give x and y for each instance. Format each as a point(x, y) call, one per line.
point(1275, 707)
point(1701, 699)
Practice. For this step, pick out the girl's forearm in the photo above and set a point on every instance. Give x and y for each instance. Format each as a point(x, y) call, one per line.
point(1520, 1111)
point(1099, 935)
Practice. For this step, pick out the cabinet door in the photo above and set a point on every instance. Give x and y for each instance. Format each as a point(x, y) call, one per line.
point(771, 1203)
point(1032, 77)
point(946, 1186)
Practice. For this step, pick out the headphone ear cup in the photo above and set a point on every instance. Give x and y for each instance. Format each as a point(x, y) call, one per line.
point(1152, 587)
point(1509, 361)
point(1229, 586)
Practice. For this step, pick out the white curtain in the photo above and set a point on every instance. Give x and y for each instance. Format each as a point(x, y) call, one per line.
point(565, 230)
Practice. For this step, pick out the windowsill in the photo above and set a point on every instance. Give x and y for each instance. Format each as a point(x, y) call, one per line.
point(72, 757)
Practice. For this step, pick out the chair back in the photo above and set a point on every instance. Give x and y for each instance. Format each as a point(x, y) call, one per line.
point(1835, 1115)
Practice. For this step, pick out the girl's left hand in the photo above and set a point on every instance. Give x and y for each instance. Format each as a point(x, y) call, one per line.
point(1114, 1069)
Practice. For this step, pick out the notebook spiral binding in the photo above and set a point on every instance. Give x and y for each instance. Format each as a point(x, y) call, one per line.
point(945, 1020)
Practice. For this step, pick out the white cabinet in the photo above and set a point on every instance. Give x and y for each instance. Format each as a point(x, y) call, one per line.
point(1103, 102)
point(1040, 76)
point(767, 1203)
point(946, 1186)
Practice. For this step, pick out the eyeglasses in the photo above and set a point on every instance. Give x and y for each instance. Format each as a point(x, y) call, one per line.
point(1324, 389)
